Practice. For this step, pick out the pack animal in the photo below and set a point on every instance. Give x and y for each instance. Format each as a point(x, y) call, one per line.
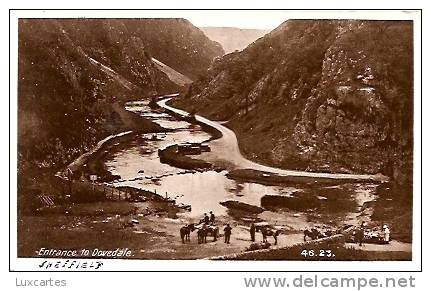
point(205, 231)
point(270, 232)
point(185, 232)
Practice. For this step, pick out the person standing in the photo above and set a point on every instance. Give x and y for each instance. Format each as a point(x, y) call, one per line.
point(204, 233)
point(253, 232)
point(264, 234)
point(212, 217)
point(275, 236)
point(387, 234)
point(360, 235)
point(227, 233)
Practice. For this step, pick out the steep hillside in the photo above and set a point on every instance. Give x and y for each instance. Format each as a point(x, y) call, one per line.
point(318, 95)
point(175, 76)
point(233, 38)
point(72, 72)
point(176, 43)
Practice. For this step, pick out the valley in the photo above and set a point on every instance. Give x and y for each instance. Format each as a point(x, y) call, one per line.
point(130, 130)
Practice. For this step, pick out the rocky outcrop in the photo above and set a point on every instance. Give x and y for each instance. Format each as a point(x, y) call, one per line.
point(333, 96)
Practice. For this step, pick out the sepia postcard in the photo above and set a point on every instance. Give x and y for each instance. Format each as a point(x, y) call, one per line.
point(176, 139)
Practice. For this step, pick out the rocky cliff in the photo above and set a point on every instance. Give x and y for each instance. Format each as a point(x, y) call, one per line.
point(318, 95)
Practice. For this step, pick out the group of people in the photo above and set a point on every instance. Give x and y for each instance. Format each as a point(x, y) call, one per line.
point(210, 220)
point(384, 233)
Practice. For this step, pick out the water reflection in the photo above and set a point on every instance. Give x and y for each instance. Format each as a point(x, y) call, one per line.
point(138, 165)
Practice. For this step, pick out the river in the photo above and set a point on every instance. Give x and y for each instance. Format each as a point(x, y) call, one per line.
point(138, 165)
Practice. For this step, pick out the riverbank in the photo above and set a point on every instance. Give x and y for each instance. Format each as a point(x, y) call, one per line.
point(393, 203)
point(329, 194)
point(147, 222)
point(227, 148)
point(89, 162)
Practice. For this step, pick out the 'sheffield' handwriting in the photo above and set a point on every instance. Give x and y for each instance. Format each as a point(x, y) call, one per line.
point(70, 265)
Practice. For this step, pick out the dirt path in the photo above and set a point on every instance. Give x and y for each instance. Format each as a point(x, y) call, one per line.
point(227, 148)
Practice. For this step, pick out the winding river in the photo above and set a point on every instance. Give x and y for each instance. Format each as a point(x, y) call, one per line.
point(138, 165)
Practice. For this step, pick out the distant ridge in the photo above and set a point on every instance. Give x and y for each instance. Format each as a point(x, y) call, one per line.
point(233, 38)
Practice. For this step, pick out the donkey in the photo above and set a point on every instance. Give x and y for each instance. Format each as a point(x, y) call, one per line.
point(205, 231)
point(185, 232)
point(269, 232)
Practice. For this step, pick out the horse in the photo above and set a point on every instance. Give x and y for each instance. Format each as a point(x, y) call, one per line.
point(313, 234)
point(213, 231)
point(205, 230)
point(202, 235)
point(270, 232)
point(185, 232)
